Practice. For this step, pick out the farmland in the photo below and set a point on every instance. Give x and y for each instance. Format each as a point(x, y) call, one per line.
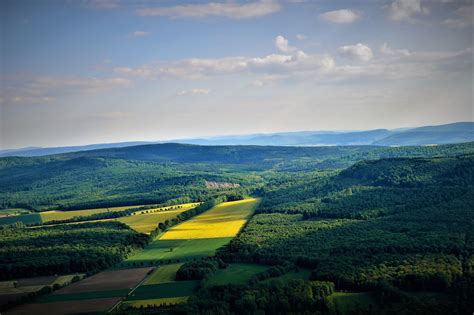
point(148, 221)
point(199, 236)
point(223, 221)
point(196, 238)
point(97, 293)
point(56, 215)
point(165, 273)
point(11, 291)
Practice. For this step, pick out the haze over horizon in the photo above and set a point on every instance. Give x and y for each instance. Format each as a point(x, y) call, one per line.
point(104, 71)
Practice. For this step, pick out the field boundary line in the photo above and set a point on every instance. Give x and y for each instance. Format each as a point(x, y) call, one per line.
point(136, 287)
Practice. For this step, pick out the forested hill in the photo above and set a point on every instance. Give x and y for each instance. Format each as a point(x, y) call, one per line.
point(428, 135)
point(391, 226)
point(268, 155)
point(172, 172)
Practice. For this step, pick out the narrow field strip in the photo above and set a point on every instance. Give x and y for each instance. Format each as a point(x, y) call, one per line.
point(83, 296)
point(67, 307)
point(164, 290)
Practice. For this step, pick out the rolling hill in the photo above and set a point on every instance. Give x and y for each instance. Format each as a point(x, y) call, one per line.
point(428, 135)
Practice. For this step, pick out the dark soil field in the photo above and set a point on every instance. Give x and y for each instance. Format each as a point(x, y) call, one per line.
point(66, 307)
point(107, 280)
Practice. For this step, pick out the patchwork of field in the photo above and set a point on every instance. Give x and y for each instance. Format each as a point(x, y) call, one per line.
point(143, 221)
point(198, 237)
point(15, 289)
point(161, 288)
point(106, 281)
point(46, 216)
point(97, 293)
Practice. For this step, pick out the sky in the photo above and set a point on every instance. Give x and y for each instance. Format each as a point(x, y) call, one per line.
point(77, 72)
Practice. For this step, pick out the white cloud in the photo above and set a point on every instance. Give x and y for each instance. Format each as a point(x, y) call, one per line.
point(340, 16)
point(282, 44)
point(196, 68)
point(405, 10)
point(389, 51)
point(301, 36)
point(193, 91)
point(463, 17)
point(140, 33)
point(232, 10)
point(358, 52)
point(297, 65)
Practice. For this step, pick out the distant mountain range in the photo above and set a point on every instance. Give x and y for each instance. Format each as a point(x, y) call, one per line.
point(427, 135)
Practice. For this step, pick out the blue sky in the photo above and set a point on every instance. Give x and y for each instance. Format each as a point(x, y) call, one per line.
point(93, 71)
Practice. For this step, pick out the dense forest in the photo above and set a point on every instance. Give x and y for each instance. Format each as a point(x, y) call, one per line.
point(62, 249)
point(406, 222)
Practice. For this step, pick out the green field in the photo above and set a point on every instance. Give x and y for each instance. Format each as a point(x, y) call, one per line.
point(176, 251)
point(165, 273)
point(55, 215)
point(46, 216)
point(163, 290)
point(82, 296)
point(235, 274)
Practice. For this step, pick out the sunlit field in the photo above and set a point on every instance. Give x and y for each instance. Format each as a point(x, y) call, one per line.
point(224, 220)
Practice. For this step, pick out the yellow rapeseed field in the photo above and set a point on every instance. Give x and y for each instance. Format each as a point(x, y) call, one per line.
point(224, 220)
point(145, 223)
